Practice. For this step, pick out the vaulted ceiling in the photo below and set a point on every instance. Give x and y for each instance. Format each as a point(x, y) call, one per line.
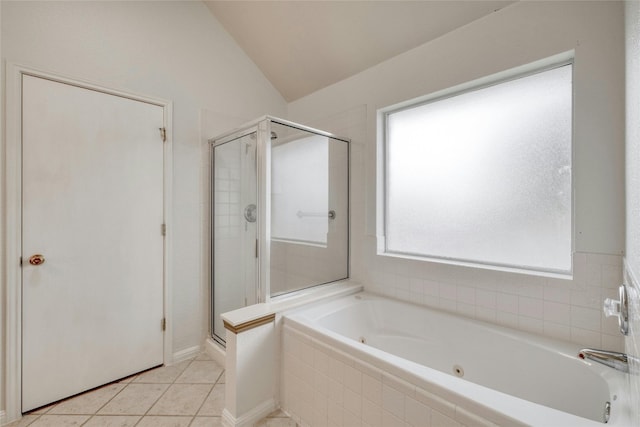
point(303, 46)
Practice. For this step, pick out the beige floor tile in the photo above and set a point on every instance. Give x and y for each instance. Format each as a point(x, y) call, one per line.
point(42, 410)
point(278, 413)
point(24, 421)
point(112, 421)
point(181, 399)
point(130, 378)
point(163, 374)
point(214, 403)
point(135, 399)
point(87, 403)
point(59, 420)
point(206, 422)
point(151, 421)
point(276, 422)
point(201, 372)
point(203, 356)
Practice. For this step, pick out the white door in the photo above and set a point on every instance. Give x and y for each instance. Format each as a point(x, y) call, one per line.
point(92, 206)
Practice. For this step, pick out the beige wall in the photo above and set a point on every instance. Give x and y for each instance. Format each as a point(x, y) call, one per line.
point(170, 50)
point(514, 36)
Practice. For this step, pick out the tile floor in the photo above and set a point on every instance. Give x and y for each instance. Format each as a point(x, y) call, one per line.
point(187, 394)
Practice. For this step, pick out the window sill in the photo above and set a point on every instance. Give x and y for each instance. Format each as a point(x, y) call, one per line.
point(468, 264)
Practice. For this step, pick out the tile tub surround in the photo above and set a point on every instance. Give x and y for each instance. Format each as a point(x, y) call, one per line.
point(570, 310)
point(327, 377)
point(187, 394)
point(325, 387)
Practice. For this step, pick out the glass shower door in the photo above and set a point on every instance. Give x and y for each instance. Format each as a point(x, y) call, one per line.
point(234, 197)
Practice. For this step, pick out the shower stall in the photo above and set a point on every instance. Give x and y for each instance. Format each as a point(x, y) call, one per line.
point(279, 213)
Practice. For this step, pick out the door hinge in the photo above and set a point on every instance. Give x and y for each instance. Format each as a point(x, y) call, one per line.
point(163, 323)
point(163, 229)
point(20, 261)
point(256, 248)
point(163, 134)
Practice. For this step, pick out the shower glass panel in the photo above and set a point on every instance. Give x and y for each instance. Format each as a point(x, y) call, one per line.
point(309, 209)
point(234, 216)
point(279, 214)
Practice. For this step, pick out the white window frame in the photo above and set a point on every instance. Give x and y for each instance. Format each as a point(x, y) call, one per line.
point(566, 58)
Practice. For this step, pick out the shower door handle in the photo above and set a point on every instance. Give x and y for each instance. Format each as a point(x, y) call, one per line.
point(250, 213)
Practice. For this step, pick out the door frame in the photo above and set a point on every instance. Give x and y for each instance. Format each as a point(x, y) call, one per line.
point(12, 229)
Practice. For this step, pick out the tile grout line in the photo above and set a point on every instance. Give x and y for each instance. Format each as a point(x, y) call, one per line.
point(55, 404)
point(164, 392)
point(37, 418)
point(131, 381)
point(202, 404)
point(91, 416)
point(208, 394)
point(126, 385)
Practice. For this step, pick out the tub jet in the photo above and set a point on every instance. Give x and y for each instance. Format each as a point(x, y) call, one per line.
point(458, 371)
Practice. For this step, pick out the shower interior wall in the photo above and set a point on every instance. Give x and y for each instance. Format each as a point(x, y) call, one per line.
point(295, 266)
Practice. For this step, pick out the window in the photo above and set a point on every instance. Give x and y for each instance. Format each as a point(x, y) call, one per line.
point(484, 176)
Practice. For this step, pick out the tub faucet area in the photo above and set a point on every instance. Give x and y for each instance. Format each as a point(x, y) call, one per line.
point(615, 360)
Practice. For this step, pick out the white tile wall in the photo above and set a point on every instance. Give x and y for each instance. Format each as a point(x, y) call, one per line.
point(566, 309)
point(227, 199)
point(325, 387)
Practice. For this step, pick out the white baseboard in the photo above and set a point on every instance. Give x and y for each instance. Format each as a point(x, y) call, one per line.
point(4, 418)
point(185, 354)
point(228, 420)
point(215, 351)
point(251, 417)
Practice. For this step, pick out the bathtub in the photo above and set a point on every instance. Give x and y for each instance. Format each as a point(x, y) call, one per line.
point(475, 372)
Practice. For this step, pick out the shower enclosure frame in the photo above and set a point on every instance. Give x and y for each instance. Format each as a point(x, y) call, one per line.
point(262, 128)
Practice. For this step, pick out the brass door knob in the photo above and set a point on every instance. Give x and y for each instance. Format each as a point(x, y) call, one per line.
point(36, 259)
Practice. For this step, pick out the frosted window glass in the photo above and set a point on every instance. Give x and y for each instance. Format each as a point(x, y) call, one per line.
point(484, 176)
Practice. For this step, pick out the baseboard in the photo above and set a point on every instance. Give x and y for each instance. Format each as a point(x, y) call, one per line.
point(4, 418)
point(251, 417)
point(228, 420)
point(215, 351)
point(186, 354)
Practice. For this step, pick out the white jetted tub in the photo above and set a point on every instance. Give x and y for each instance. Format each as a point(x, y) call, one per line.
point(525, 378)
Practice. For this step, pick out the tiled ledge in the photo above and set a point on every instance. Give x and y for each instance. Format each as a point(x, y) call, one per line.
point(237, 318)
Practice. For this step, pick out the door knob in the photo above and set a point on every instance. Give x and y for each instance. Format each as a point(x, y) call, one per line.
point(36, 259)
